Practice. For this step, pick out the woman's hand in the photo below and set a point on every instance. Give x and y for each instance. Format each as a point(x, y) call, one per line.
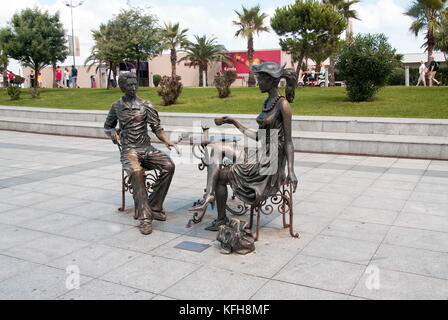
point(292, 179)
point(224, 120)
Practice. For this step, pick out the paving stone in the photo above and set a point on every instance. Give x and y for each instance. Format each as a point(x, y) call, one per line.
point(320, 273)
point(11, 236)
point(394, 184)
point(21, 216)
point(131, 239)
point(274, 245)
point(318, 209)
point(94, 230)
point(276, 290)
point(10, 267)
point(396, 285)
point(343, 249)
point(95, 260)
point(303, 223)
point(379, 203)
point(430, 197)
point(331, 198)
point(420, 239)
point(102, 290)
point(36, 283)
point(366, 215)
point(419, 261)
point(387, 193)
point(437, 209)
point(356, 230)
point(53, 223)
point(150, 273)
point(45, 249)
point(215, 284)
point(422, 221)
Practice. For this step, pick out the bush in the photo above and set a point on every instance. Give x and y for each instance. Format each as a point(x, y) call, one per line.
point(223, 81)
point(14, 92)
point(397, 77)
point(156, 79)
point(365, 63)
point(18, 80)
point(170, 89)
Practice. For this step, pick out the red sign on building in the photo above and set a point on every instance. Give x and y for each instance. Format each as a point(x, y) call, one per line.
point(241, 63)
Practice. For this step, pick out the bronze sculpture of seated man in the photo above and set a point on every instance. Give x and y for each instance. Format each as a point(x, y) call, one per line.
point(133, 115)
point(262, 174)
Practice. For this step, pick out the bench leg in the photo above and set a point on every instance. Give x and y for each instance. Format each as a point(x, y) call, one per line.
point(123, 193)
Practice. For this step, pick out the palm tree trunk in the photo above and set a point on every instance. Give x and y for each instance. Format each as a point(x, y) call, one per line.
point(173, 62)
point(200, 75)
point(250, 56)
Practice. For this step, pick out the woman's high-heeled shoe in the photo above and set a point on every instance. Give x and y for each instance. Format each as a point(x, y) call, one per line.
point(203, 206)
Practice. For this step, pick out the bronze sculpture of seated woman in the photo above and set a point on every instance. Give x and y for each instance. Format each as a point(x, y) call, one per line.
point(263, 172)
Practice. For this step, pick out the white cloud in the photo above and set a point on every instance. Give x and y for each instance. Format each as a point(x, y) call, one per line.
point(387, 17)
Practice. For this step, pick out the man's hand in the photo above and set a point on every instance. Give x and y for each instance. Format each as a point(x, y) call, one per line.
point(171, 145)
point(115, 136)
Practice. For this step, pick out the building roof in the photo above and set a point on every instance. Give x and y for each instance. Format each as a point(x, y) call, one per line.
point(409, 58)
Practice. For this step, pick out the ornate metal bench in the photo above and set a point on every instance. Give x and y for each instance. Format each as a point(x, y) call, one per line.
point(282, 201)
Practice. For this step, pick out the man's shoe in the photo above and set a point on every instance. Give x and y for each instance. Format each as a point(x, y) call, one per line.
point(146, 227)
point(159, 215)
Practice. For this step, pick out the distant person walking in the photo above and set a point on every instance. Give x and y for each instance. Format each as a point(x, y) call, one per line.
point(74, 77)
point(67, 78)
point(92, 82)
point(433, 68)
point(32, 79)
point(113, 82)
point(58, 76)
point(11, 77)
point(422, 70)
point(40, 80)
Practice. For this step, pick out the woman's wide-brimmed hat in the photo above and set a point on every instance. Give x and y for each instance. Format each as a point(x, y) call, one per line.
point(271, 68)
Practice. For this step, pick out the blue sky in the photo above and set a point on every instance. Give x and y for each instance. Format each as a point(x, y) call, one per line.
point(214, 17)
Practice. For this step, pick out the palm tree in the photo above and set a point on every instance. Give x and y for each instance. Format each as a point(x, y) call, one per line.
point(204, 52)
point(344, 9)
point(441, 36)
point(250, 22)
point(173, 37)
point(427, 15)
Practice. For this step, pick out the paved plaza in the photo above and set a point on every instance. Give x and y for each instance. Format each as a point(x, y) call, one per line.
point(370, 228)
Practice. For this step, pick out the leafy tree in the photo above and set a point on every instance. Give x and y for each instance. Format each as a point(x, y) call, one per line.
point(441, 36)
point(35, 38)
point(250, 22)
point(203, 53)
point(344, 9)
point(173, 38)
point(427, 15)
point(139, 33)
point(306, 27)
point(109, 49)
point(4, 61)
point(366, 63)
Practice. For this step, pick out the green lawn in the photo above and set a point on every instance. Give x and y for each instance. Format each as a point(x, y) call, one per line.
point(399, 102)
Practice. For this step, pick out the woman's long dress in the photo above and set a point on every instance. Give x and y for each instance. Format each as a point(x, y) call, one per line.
point(264, 172)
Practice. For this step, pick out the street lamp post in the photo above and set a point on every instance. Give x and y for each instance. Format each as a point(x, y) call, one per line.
point(72, 5)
